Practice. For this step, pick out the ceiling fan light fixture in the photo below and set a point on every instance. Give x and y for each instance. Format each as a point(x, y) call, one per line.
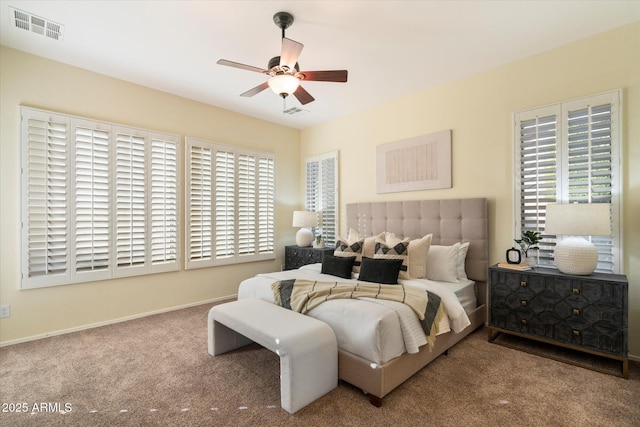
point(284, 84)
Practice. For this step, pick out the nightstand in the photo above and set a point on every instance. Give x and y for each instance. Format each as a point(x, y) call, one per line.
point(296, 256)
point(583, 313)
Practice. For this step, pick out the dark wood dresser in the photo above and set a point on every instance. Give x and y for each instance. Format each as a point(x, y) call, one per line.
point(296, 256)
point(584, 313)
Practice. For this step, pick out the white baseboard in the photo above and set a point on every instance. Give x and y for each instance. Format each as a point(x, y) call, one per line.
point(113, 321)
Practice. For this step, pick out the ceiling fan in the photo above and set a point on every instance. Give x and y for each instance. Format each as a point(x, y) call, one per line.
point(284, 70)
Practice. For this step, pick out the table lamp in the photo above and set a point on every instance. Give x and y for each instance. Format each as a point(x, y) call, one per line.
point(574, 254)
point(304, 219)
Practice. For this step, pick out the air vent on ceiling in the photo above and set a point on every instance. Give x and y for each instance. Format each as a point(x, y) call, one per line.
point(35, 24)
point(294, 111)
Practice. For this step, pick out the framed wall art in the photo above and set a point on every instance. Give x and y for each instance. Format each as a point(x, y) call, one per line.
point(418, 163)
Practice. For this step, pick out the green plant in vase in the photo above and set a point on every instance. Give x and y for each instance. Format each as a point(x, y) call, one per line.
point(529, 242)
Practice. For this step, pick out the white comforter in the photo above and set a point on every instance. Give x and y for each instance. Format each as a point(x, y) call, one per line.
point(375, 330)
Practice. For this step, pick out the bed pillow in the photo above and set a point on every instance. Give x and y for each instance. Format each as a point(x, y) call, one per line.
point(369, 248)
point(461, 272)
point(394, 248)
point(442, 263)
point(338, 265)
point(344, 248)
point(383, 271)
point(418, 252)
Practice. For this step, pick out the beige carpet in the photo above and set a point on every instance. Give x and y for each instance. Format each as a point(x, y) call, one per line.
point(156, 371)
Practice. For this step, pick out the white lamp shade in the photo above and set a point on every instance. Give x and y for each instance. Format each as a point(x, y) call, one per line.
point(578, 219)
point(575, 255)
point(283, 84)
point(305, 219)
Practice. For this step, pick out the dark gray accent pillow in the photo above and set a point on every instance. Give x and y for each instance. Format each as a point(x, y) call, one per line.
point(337, 265)
point(383, 271)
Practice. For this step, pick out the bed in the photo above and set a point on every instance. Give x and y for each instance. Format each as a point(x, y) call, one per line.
point(377, 350)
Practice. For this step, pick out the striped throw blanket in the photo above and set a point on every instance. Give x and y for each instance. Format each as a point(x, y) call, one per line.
point(303, 295)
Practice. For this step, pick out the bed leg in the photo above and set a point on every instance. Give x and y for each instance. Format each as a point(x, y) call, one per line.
point(375, 400)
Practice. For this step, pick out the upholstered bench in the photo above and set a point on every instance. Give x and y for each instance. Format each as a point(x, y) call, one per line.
point(307, 347)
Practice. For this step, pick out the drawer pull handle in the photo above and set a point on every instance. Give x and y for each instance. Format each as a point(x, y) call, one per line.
point(523, 321)
point(576, 290)
point(576, 311)
point(523, 303)
point(576, 333)
point(523, 284)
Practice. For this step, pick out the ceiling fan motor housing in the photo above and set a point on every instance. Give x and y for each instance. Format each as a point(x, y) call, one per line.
point(274, 65)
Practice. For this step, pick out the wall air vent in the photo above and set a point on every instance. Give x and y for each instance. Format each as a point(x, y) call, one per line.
point(35, 24)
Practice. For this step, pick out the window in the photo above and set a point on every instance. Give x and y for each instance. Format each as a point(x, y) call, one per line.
point(230, 204)
point(100, 201)
point(570, 153)
point(322, 193)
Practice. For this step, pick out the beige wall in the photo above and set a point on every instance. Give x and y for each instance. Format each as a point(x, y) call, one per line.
point(479, 111)
point(32, 81)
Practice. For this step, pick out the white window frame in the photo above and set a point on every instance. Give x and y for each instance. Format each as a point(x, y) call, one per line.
point(244, 231)
point(321, 193)
point(79, 207)
point(610, 248)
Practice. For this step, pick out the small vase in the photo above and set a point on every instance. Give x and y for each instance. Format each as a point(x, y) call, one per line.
point(530, 260)
point(318, 245)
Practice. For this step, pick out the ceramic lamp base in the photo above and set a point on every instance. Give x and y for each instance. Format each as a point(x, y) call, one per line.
point(304, 237)
point(575, 255)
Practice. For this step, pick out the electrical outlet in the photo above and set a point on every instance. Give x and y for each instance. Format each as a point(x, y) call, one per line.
point(5, 311)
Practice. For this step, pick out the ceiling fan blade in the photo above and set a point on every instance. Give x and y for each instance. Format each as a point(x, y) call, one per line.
point(241, 66)
point(326, 76)
point(303, 96)
point(256, 90)
point(290, 53)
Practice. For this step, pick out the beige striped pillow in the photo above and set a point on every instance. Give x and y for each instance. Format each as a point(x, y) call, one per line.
point(394, 248)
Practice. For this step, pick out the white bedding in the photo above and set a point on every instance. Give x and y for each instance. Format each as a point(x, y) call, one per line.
point(465, 290)
point(375, 330)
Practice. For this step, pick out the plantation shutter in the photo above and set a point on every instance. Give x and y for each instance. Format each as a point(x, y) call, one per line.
point(538, 173)
point(569, 153)
point(86, 209)
point(266, 205)
point(92, 202)
point(256, 204)
point(322, 193)
point(313, 185)
point(247, 214)
point(329, 200)
point(130, 182)
point(45, 205)
point(225, 205)
point(199, 205)
point(231, 207)
point(591, 170)
point(164, 202)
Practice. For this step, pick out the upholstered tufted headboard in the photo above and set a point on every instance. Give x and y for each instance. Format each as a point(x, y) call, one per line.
point(449, 220)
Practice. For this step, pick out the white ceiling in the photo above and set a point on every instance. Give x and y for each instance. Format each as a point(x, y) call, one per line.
point(391, 48)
